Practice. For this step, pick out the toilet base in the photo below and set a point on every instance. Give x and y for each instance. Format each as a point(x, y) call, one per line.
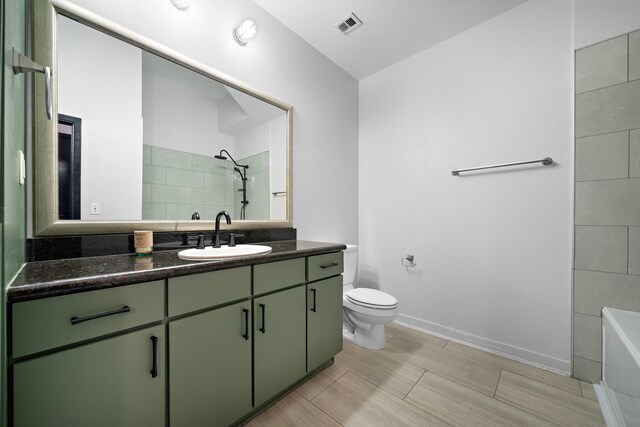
point(347, 334)
point(373, 338)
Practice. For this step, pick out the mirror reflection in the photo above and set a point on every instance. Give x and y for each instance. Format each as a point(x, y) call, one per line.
point(142, 138)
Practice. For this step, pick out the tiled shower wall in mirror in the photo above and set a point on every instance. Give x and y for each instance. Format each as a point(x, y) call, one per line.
point(257, 187)
point(176, 184)
point(607, 192)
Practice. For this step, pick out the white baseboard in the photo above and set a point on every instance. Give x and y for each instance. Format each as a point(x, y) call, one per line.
point(507, 350)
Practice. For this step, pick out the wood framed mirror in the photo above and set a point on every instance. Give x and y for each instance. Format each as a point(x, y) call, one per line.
point(163, 139)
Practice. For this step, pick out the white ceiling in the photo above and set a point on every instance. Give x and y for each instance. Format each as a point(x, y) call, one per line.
point(392, 30)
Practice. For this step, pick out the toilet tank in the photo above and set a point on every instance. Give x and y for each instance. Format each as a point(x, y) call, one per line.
point(350, 264)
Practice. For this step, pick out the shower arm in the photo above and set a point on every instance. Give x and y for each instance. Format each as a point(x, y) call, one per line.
point(220, 156)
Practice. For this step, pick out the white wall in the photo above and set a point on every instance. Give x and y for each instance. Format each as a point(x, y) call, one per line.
point(253, 141)
point(181, 119)
point(599, 20)
point(102, 86)
point(493, 250)
point(277, 62)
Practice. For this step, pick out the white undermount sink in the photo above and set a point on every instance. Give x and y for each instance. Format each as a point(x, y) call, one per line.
point(209, 252)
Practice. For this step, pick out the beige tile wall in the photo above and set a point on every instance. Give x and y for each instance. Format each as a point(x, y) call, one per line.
point(607, 192)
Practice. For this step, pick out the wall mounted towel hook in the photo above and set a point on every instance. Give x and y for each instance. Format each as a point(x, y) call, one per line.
point(23, 64)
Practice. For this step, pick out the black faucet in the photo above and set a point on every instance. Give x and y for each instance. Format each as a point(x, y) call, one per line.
point(216, 234)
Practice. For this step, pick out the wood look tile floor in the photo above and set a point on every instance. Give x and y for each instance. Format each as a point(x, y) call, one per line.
point(423, 380)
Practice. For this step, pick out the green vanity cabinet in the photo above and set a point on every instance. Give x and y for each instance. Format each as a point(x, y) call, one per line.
point(325, 265)
point(210, 367)
point(106, 383)
point(204, 349)
point(279, 342)
point(274, 276)
point(324, 321)
point(47, 323)
point(201, 291)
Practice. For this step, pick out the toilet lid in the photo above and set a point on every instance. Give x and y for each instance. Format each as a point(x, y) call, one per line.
point(371, 298)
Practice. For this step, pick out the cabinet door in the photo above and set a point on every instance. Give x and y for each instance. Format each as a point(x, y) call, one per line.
point(210, 372)
point(107, 383)
point(279, 342)
point(324, 321)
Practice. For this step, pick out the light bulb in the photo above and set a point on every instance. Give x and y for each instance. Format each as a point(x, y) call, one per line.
point(245, 31)
point(182, 4)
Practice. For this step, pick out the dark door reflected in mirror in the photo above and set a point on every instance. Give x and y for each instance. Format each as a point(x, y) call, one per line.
point(69, 166)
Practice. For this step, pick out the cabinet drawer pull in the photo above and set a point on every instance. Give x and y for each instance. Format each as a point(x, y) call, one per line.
point(75, 320)
point(154, 347)
point(263, 328)
point(313, 291)
point(246, 323)
point(329, 265)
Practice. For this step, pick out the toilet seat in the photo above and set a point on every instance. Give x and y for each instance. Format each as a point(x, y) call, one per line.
point(372, 298)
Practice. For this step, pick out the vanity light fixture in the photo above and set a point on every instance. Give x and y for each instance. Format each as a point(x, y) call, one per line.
point(244, 32)
point(182, 5)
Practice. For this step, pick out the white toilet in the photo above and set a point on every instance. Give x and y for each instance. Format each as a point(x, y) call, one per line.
point(366, 311)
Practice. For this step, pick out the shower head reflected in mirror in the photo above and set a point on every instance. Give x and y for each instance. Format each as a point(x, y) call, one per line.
point(228, 156)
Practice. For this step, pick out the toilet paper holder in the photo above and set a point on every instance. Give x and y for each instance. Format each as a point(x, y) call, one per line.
point(407, 261)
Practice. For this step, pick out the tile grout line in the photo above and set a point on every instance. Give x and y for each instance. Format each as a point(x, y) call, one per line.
point(628, 248)
point(421, 409)
point(494, 398)
point(609, 272)
point(629, 154)
point(548, 385)
point(497, 384)
point(546, 420)
point(608, 179)
point(447, 378)
point(414, 384)
point(605, 133)
point(526, 409)
point(327, 414)
point(477, 360)
point(325, 389)
point(321, 391)
point(375, 385)
point(380, 388)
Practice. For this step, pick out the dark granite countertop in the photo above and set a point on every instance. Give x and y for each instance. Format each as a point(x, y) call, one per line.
point(41, 279)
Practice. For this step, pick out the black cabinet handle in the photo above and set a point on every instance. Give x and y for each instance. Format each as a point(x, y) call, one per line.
point(331, 264)
point(313, 291)
point(263, 329)
point(246, 323)
point(75, 320)
point(154, 347)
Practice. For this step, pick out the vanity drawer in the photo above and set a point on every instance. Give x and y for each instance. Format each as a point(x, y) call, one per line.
point(200, 291)
point(47, 323)
point(277, 275)
point(326, 265)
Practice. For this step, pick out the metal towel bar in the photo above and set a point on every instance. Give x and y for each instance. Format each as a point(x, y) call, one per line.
point(546, 162)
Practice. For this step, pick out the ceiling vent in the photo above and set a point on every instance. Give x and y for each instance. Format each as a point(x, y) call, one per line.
point(348, 24)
